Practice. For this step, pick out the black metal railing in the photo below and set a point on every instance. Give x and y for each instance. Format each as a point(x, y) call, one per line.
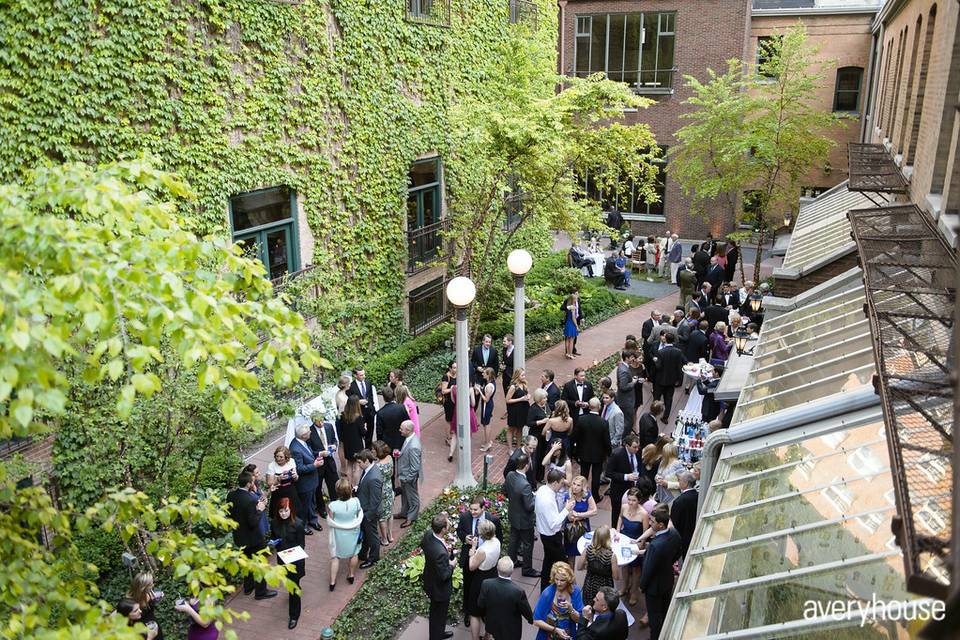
point(13, 445)
point(524, 11)
point(424, 244)
point(434, 12)
point(655, 81)
point(428, 307)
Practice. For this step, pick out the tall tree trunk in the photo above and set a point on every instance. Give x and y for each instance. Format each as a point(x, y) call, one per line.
point(761, 236)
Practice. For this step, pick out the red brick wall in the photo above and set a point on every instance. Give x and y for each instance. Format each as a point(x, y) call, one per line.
point(708, 32)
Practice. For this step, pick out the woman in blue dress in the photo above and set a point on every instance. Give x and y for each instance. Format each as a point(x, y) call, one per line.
point(559, 605)
point(570, 327)
point(584, 507)
point(634, 520)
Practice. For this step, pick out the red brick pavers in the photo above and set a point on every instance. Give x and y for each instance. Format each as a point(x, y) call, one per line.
point(268, 618)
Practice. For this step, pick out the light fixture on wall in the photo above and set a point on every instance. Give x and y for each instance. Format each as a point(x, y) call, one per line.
point(827, 167)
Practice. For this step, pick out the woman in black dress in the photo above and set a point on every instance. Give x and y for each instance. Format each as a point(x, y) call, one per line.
point(518, 405)
point(351, 429)
point(288, 529)
point(446, 387)
point(143, 593)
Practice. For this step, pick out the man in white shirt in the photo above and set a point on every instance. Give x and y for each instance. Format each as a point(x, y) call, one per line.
point(550, 520)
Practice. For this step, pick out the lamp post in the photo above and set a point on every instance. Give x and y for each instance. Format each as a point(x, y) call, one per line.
point(519, 263)
point(756, 301)
point(787, 218)
point(460, 293)
point(740, 340)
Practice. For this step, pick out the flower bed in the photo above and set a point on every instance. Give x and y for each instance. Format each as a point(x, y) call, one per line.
point(393, 592)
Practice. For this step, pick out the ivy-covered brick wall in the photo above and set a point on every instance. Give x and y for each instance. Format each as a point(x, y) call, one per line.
point(334, 98)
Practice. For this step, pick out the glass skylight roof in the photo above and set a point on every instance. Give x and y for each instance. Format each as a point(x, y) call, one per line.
point(798, 517)
point(808, 354)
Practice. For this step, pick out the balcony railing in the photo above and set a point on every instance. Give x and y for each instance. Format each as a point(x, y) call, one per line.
point(656, 81)
point(13, 445)
point(428, 307)
point(423, 245)
point(524, 11)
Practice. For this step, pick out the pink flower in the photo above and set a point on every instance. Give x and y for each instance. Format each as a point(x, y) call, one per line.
point(396, 453)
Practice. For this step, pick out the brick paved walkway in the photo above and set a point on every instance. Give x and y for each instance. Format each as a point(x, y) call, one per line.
point(268, 618)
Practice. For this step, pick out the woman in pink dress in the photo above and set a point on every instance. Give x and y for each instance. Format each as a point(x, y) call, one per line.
point(474, 426)
point(404, 398)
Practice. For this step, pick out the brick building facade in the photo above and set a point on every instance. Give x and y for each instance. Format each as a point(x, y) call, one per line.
point(841, 31)
point(690, 37)
point(915, 102)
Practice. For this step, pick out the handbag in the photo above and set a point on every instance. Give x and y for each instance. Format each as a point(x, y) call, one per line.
point(573, 531)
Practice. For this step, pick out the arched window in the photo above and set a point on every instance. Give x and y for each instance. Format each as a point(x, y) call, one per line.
point(846, 97)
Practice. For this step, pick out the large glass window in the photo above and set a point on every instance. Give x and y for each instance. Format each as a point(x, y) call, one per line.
point(847, 94)
point(767, 47)
point(635, 48)
point(630, 201)
point(264, 224)
point(423, 212)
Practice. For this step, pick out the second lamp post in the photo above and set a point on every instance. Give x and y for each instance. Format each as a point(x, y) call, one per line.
point(519, 263)
point(461, 292)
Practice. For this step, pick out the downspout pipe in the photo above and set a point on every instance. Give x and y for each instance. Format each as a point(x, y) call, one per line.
point(775, 422)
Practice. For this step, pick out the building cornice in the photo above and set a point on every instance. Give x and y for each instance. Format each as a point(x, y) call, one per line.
point(814, 11)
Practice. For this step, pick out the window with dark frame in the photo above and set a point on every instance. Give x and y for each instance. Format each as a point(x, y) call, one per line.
point(766, 46)
point(635, 48)
point(631, 202)
point(426, 306)
point(264, 224)
point(435, 12)
point(424, 206)
point(847, 94)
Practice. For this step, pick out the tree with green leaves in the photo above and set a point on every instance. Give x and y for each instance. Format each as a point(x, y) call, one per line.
point(102, 281)
point(523, 151)
point(756, 128)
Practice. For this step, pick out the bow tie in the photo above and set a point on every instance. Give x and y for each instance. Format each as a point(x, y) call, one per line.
point(580, 385)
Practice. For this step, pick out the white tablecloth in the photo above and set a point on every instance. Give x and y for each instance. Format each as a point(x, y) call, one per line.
point(599, 260)
point(624, 548)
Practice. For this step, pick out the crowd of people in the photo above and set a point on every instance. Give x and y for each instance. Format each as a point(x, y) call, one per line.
point(573, 447)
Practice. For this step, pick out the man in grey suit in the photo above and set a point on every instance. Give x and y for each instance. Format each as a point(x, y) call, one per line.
point(520, 512)
point(614, 417)
point(370, 494)
point(409, 473)
point(626, 383)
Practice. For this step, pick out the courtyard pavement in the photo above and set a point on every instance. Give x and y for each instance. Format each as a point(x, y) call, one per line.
point(320, 606)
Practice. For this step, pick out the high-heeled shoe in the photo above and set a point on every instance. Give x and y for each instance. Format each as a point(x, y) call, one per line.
point(350, 579)
point(450, 458)
point(333, 586)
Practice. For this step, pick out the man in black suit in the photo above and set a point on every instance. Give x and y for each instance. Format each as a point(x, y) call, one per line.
point(714, 314)
point(503, 604)
point(593, 446)
point(550, 387)
point(388, 420)
point(648, 328)
point(649, 430)
point(715, 276)
point(467, 530)
point(623, 469)
point(656, 577)
point(612, 274)
point(701, 262)
point(308, 475)
point(484, 355)
point(602, 619)
point(668, 374)
point(528, 449)
point(683, 510)
point(364, 390)
point(245, 510)
point(437, 575)
point(370, 494)
point(323, 440)
point(577, 394)
point(730, 298)
point(520, 513)
point(506, 364)
point(697, 343)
